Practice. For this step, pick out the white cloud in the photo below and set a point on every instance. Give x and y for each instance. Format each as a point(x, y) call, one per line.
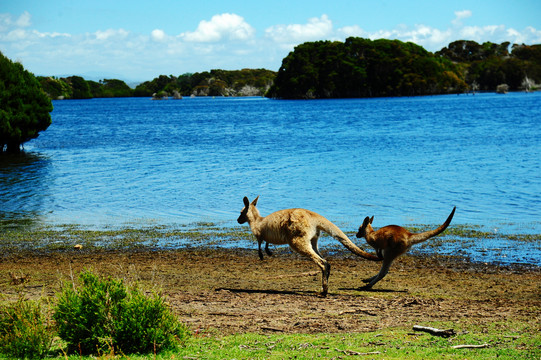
point(459, 15)
point(23, 20)
point(158, 35)
point(316, 29)
point(111, 33)
point(354, 30)
point(221, 27)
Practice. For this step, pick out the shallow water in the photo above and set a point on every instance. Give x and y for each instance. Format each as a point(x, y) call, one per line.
point(109, 162)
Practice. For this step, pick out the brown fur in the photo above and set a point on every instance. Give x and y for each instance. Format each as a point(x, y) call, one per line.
point(392, 241)
point(300, 229)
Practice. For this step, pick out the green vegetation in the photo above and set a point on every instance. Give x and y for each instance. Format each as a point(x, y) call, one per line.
point(24, 107)
point(25, 329)
point(75, 87)
point(364, 68)
point(503, 341)
point(508, 342)
point(246, 82)
point(103, 316)
point(487, 66)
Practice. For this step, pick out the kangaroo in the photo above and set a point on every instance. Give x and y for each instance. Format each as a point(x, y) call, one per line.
point(392, 241)
point(300, 229)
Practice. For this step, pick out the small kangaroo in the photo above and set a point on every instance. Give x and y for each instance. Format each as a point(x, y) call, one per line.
point(392, 241)
point(300, 229)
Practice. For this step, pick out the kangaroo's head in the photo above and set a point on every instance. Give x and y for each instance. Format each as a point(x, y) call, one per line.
point(366, 227)
point(247, 213)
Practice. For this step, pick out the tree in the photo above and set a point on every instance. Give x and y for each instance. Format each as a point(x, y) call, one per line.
point(363, 68)
point(24, 106)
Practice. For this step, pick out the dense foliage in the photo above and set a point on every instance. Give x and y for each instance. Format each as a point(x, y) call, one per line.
point(24, 107)
point(369, 68)
point(488, 65)
point(76, 87)
point(245, 82)
point(363, 68)
point(104, 315)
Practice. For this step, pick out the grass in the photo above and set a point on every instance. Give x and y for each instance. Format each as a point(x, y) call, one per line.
point(503, 341)
point(388, 343)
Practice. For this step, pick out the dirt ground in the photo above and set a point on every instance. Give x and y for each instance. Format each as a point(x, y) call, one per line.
point(225, 291)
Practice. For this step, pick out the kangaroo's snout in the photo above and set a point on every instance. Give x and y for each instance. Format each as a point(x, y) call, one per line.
point(241, 219)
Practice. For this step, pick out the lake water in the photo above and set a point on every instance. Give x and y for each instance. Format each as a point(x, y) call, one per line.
point(109, 162)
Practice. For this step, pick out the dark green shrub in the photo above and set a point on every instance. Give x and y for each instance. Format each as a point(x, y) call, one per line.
point(24, 329)
point(104, 315)
point(24, 107)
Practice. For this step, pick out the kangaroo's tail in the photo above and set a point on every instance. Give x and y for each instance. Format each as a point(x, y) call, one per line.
point(420, 237)
point(333, 230)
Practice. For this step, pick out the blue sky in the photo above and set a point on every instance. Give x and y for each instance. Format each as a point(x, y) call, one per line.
point(139, 40)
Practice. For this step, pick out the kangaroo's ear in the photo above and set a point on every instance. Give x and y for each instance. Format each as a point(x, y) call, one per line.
point(246, 202)
point(254, 203)
point(371, 219)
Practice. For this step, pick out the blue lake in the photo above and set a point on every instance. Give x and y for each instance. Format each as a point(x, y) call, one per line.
point(133, 161)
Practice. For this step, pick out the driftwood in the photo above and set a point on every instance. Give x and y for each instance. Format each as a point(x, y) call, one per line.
point(434, 331)
point(470, 346)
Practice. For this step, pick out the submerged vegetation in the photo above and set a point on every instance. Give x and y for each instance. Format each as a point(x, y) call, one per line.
point(22, 235)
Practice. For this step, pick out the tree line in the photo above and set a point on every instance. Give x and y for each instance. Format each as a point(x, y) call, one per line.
point(245, 82)
point(357, 67)
point(373, 68)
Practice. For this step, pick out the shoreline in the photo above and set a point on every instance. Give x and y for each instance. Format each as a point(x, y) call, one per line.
point(463, 244)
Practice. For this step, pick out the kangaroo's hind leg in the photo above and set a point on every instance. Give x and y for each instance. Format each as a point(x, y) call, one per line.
point(267, 250)
point(260, 253)
point(303, 247)
point(385, 266)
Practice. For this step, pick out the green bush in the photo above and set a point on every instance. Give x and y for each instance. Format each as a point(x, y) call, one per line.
point(24, 329)
point(104, 315)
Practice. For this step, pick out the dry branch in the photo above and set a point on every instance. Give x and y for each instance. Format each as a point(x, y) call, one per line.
point(351, 352)
point(470, 346)
point(434, 331)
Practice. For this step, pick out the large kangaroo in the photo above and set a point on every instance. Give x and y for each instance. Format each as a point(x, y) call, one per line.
point(392, 241)
point(300, 229)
